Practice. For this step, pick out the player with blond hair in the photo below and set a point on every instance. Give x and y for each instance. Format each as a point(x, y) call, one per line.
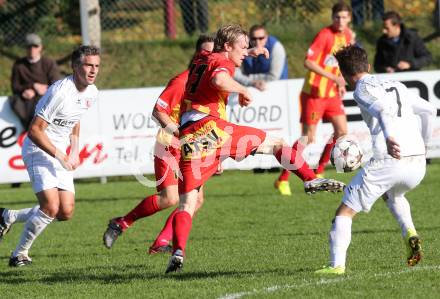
point(207, 138)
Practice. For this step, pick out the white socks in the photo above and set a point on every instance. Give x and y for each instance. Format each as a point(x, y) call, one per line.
point(339, 239)
point(399, 207)
point(33, 227)
point(12, 216)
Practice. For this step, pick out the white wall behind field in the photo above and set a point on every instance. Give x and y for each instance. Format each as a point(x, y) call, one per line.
point(118, 134)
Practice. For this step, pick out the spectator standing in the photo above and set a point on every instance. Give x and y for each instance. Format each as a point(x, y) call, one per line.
point(192, 9)
point(31, 76)
point(256, 71)
point(360, 7)
point(399, 49)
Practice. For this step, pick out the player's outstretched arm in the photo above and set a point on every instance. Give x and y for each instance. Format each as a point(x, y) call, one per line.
point(224, 82)
point(39, 137)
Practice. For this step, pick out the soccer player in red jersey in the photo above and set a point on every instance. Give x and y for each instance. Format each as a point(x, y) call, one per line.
point(323, 89)
point(207, 138)
point(166, 159)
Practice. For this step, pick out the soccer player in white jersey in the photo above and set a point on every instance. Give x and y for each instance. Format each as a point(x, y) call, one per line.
point(392, 114)
point(55, 127)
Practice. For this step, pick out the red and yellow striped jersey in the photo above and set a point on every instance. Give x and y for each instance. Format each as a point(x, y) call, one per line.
point(326, 43)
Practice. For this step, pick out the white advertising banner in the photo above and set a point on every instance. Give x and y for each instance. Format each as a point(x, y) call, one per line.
point(117, 135)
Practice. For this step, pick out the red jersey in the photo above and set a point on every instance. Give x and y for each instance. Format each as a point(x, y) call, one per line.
point(169, 103)
point(326, 43)
point(199, 94)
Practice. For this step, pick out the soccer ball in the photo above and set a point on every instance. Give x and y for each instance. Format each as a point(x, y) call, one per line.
point(346, 155)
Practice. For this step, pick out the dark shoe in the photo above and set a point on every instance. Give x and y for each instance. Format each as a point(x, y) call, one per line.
point(114, 230)
point(19, 261)
point(176, 262)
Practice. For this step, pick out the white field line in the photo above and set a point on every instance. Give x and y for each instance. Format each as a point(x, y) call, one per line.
point(322, 281)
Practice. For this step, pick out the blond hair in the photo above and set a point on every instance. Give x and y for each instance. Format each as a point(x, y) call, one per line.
point(227, 34)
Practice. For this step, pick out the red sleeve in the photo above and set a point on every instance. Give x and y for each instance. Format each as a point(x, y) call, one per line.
point(222, 65)
point(172, 94)
point(317, 46)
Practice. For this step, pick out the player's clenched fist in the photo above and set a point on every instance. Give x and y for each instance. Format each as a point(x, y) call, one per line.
point(245, 98)
point(393, 148)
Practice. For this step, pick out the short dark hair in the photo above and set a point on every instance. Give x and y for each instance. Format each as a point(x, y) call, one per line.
point(203, 38)
point(257, 27)
point(79, 53)
point(352, 60)
point(393, 16)
point(340, 6)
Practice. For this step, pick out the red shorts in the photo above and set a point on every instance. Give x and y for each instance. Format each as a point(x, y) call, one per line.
point(207, 142)
point(315, 109)
point(166, 166)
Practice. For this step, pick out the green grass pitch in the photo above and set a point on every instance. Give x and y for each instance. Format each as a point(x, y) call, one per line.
point(246, 242)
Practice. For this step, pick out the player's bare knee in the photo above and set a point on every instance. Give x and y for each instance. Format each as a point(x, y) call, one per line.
point(65, 214)
point(64, 217)
point(50, 210)
point(169, 201)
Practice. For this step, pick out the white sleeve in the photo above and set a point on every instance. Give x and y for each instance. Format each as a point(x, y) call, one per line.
point(50, 106)
point(277, 63)
point(375, 100)
point(241, 78)
point(427, 112)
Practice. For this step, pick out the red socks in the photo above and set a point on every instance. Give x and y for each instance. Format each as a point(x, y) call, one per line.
point(166, 234)
point(145, 208)
point(291, 159)
point(284, 176)
point(182, 227)
point(325, 157)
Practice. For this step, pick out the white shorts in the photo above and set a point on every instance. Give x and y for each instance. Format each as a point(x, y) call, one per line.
point(381, 176)
point(47, 172)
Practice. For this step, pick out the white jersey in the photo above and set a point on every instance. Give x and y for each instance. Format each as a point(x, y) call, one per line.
point(62, 106)
point(390, 109)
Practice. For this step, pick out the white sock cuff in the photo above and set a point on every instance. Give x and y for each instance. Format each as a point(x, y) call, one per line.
point(45, 218)
point(343, 219)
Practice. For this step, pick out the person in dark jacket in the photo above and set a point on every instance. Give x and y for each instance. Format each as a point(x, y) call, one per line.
point(31, 76)
point(399, 49)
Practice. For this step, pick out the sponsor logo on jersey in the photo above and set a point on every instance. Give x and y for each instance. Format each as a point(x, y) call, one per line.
point(162, 103)
point(63, 122)
point(87, 102)
point(203, 142)
point(331, 61)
